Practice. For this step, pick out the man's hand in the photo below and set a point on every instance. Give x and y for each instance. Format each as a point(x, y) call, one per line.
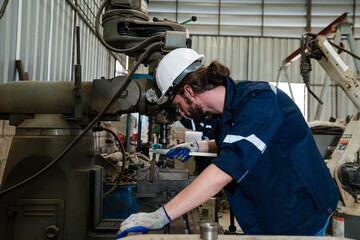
point(142, 222)
point(181, 151)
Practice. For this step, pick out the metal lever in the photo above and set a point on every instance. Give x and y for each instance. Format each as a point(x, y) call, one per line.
point(78, 85)
point(193, 18)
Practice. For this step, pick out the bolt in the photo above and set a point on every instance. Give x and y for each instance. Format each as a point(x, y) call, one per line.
point(124, 94)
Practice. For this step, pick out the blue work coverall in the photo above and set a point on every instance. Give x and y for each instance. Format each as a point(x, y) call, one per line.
point(281, 183)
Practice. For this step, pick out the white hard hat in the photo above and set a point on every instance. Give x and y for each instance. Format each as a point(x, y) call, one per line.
point(173, 68)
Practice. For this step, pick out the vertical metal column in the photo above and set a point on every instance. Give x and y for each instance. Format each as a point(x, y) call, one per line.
point(284, 69)
point(151, 121)
point(346, 27)
point(164, 140)
point(139, 133)
point(128, 123)
point(78, 84)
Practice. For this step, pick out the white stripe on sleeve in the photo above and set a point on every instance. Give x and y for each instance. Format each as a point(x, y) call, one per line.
point(252, 138)
point(273, 88)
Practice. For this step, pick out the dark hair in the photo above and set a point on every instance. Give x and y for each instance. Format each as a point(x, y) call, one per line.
point(205, 78)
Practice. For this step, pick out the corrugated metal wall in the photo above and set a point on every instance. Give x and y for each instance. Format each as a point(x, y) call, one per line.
point(255, 58)
point(250, 58)
point(40, 33)
point(8, 26)
point(258, 59)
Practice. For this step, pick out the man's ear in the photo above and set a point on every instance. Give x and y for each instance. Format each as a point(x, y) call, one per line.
point(188, 91)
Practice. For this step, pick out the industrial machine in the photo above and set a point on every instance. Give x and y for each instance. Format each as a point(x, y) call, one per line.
point(344, 162)
point(51, 188)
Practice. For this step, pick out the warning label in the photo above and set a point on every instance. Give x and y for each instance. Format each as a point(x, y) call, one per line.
point(343, 142)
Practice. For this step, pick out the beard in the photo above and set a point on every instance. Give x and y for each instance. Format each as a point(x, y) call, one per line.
point(197, 113)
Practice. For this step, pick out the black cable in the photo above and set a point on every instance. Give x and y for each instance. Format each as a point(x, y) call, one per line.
point(121, 146)
point(343, 49)
point(3, 8)
point(313, 94)
point(89, 8)
point(142, 44)
point(85, 15)
point(305, 65)
point(92, 123)
point(96, 4)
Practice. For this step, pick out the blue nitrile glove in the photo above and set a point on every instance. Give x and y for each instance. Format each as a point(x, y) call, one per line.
point(142, 222)
point(181, 151)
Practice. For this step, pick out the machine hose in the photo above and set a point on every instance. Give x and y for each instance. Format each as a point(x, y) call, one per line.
point(127, 81)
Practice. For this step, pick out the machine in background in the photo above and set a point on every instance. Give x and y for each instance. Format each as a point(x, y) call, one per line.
point(344, 162)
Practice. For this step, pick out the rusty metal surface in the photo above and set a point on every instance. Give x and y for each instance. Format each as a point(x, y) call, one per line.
point(194, 221)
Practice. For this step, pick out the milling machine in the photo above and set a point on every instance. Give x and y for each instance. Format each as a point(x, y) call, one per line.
point(344, 163)
point(51, 188)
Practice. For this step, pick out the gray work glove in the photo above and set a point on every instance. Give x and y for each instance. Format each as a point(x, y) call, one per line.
point(181, 151)
point(142, 222)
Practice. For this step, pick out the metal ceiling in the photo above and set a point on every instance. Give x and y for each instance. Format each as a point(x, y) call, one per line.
point(269, 18)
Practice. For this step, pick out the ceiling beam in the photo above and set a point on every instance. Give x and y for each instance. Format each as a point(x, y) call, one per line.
point(262, 17)
point(219, 17)
point(354, 14)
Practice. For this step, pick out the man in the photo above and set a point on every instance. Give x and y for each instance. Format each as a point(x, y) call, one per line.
point(274, 176)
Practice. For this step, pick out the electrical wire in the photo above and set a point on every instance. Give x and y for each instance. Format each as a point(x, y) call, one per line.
point(127, 81)
point(347, 51)
point(85, 15)
point(96, 4)
point(121, 146)
point(3, 8)
point(89, 8)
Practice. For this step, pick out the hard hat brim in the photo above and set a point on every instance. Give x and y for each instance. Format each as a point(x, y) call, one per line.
point(191, 68)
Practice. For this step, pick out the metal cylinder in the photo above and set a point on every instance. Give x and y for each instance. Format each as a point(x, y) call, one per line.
point(164, 134)
point(209, 231)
